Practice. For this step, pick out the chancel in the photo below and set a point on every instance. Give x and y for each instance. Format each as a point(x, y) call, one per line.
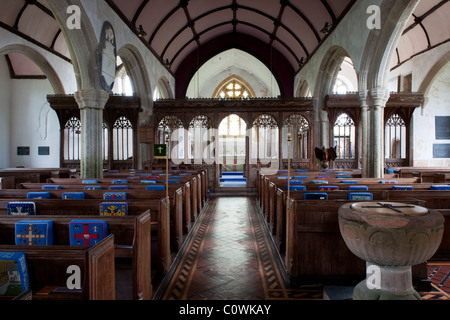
point(203, 150)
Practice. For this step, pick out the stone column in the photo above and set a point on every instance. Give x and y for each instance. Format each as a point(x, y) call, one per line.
point(92, 104)
point(377, 99)
point(364, 133)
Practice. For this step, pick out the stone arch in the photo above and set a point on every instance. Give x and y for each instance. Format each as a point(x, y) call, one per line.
point(434, 71)
point(133, 63)
point(325, 80)
point(381, 44)
point(40, 61)
point(303, 89)
point(82, 44)
point(164, 85)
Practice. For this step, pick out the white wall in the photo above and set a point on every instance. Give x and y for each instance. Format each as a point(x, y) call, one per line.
point(228, 63)
point(5, 102)
point(437, 103)
point(33, 124)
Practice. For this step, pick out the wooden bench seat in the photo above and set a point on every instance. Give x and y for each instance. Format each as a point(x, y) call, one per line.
point(47, 268)
point(131, 236)
point(157, 207)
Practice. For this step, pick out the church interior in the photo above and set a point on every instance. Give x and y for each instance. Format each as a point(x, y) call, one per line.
point(228, 150)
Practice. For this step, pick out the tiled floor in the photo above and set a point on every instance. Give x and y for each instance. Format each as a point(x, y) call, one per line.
point(224, 262)
point(230, 258)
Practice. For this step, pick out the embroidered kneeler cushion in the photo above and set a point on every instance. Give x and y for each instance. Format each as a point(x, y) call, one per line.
point(315, 196)
point(440, 187)
point(118, 187)
point(388, 182)
point(119, 181)
point(173, 181)
point(89, 181)
point(21, 208)
point(349, 181)
point(297, 188)
point(74, 195)
point(115, 196)
point(93, 188)
point(38, 195)
point(358, 188)
point(319, 181)
point(149, 181)
point(87, 232)
point(360, 196)
point(34, 233)
point(402, 188)
point(155, 187)
point(113, 209)
point(296, 182)
point(328, 188)
point(17, 279)
point(51, 187)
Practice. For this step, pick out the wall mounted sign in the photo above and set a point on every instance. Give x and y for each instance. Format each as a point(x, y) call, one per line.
point(107, 53)
point(23, 151)
point(441, 151)
point(44, 151)
point(443, 128)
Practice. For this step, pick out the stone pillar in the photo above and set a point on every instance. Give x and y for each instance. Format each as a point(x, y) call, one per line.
point(364, 133)
point(377, 99)
point(92, 104)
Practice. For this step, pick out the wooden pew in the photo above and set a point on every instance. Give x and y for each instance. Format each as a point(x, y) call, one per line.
point(131, 237)
point(315, 249)
point(90, 207)
point(443, 252)
point(47, 268)
point(181, 217)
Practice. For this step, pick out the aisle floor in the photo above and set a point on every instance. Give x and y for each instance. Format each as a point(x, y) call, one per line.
point(229, 257)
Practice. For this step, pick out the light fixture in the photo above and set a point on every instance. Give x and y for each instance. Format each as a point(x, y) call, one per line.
point(301, 63)
point(325, 29)
point(141, 32)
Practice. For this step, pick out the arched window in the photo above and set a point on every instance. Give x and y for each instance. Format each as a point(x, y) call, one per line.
point(105, 141)
point(234, 89)
point(172, 126)
point(344, 137)
point(122, 139)
point(265, 138)
point(199, 137)
point(122, 83)
point(299, 127)
point(395, 138)
point(72, 143)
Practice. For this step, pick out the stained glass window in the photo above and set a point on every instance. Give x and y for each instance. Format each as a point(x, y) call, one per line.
point(234, 89)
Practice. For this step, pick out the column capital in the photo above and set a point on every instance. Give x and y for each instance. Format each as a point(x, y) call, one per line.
point(377, 97)
point(91, 99)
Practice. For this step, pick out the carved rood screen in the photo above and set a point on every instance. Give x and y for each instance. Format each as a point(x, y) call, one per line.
point(257, 116)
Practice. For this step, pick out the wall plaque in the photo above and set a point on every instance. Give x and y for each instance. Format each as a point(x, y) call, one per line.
point(441, 151)
point(44, 151)
point(107, 53)
point(443, 128)
point(23, 151)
